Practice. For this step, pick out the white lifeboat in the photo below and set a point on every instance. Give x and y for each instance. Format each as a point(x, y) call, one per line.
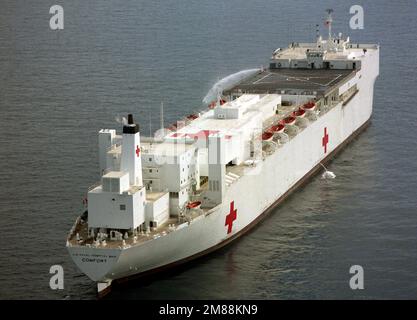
point(277, 128)
point(194, 205)
point(289, 120)
point(309, 106)
point(300, 113)
point(267, 136)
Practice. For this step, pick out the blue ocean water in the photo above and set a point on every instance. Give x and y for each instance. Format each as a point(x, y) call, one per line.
point(58, 88)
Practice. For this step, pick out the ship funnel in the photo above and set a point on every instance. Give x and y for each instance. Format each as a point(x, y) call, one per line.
point(131, 152)
point(130, 127)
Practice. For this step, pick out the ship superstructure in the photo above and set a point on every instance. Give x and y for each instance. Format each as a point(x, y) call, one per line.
point(166, 200)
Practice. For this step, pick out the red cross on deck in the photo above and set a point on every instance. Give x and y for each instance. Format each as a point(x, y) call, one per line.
point(137, 151)
point(231, 217)
point(325, 140)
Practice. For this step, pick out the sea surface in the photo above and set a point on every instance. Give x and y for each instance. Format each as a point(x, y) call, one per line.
point(58, 88)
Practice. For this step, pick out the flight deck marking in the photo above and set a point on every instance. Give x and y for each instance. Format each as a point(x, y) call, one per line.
point(259, 80)
point(333, 80)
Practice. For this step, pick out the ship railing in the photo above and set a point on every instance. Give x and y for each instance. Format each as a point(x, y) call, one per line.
point(362, 46)
point(73, 228)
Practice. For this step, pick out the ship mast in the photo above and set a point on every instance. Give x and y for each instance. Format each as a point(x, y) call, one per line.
point(329, 21)
point(162, 115)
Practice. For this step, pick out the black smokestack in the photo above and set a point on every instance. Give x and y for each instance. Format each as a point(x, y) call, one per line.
point(130, 127)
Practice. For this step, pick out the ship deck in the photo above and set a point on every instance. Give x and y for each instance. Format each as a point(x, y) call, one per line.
point(172, 224)
point(295, 81)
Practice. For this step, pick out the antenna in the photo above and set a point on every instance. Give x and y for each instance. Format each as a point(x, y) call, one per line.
point(329, 21)
point(162, 115)
point(150, 124)
point(317, 32)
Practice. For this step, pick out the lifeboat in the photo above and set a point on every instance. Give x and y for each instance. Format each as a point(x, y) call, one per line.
point(299, 113)
point(309, 106)
point(194, 205)
point(277, 128)
point(267, 136)
point(213, 104)
point(192, 117)
point(289, 120)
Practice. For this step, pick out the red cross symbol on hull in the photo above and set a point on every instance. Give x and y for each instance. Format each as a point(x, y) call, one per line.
point(231, 217)
point(137, 151)
point(325, 140)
